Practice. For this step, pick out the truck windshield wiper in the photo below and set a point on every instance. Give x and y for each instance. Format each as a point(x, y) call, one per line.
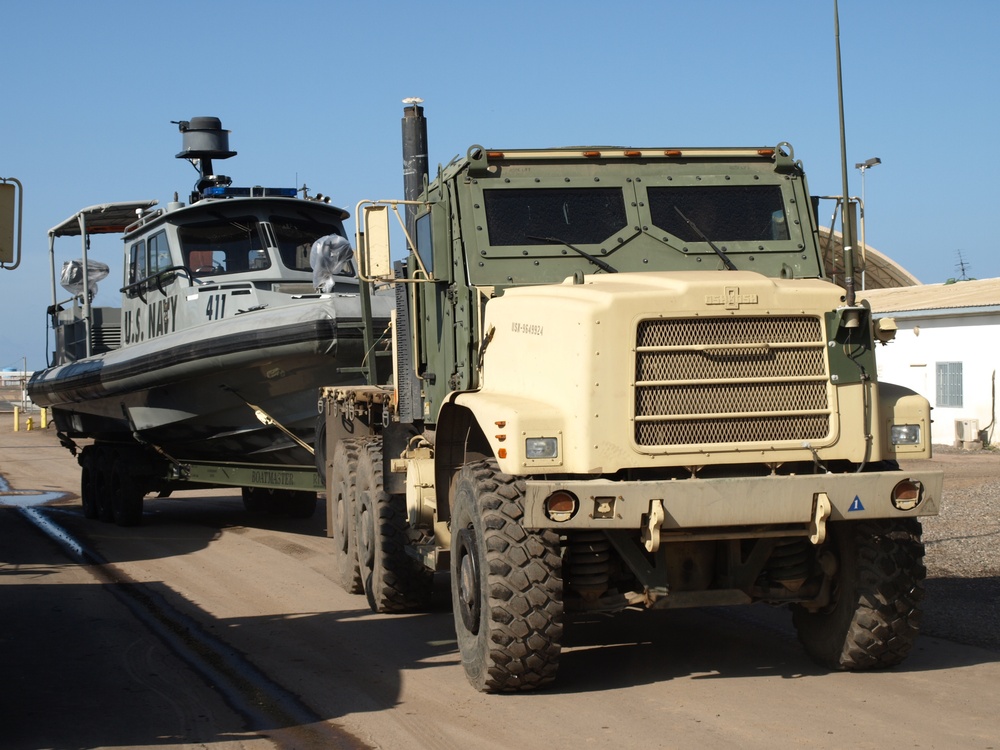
point(694, 227)
point(607, 268)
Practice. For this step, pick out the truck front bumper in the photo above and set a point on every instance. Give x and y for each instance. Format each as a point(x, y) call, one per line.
point(782, 502)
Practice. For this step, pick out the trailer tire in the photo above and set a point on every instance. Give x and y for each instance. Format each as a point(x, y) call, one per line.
point(88, 496)
point(126, 494)
point(298, 504)
point(291, 503)
point(506, 584)
point(255, 499)
point(875, 614)
point(341, 496)
point(393, 580)
point(102, 464)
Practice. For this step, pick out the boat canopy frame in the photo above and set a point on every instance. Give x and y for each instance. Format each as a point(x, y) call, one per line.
point(104, 218)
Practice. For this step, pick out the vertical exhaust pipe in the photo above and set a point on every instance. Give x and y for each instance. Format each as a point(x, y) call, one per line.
point(414, 156)
point(407, 355)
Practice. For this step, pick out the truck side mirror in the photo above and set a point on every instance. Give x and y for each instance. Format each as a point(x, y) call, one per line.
point(375, 256)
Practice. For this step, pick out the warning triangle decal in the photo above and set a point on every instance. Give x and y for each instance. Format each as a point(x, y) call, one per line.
point(856, 505)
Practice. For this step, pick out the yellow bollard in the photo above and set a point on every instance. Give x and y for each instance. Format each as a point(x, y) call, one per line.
point(17, 418)
point(30, 424)
point(44, 417)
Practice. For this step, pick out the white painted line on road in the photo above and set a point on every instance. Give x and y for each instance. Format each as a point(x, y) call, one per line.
point(52, 529)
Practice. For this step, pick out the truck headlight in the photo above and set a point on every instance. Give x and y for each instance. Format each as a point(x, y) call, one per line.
point(545, 447)
point(905, 434)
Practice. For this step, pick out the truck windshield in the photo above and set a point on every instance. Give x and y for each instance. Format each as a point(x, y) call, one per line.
point(529, 232)
point(729, 213)
point(582, 216)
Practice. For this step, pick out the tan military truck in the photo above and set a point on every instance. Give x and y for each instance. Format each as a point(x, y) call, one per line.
point(620, 378)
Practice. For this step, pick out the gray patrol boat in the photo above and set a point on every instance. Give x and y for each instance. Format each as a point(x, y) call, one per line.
point(235, 309)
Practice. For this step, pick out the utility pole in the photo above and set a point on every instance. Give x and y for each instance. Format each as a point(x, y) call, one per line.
point(864, 166)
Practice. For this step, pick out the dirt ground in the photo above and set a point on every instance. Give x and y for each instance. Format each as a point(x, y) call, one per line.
point(963, 549)
point(208, 626)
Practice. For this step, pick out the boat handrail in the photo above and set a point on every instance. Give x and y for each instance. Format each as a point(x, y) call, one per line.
point(58, 306)
point(142, 284)
point(145, 218)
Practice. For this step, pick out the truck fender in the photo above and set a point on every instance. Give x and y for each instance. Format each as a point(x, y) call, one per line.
point(458, 439)
point(898, 405)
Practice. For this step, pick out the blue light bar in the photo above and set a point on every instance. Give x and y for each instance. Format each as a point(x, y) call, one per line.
point(249, 192)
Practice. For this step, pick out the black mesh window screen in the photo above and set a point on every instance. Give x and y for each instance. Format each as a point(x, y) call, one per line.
point(724, 213)
point(536, 216)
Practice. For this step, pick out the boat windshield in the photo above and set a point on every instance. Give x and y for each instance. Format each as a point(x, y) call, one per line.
point(295, 236)
point(232, 246)
point(239, 244)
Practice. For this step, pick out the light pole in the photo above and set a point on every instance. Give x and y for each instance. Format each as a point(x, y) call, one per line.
point(864, 166)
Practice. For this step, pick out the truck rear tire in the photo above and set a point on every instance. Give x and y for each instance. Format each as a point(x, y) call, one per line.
point(875, 614)
point(506, 584)
point(341, 496)
point(319, 448)
point(393, 580)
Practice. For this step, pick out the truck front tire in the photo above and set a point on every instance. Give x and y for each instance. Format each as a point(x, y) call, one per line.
point(874, 616)
point(506, 584)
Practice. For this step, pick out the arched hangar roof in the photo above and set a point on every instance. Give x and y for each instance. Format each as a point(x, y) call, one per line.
point(873, 270)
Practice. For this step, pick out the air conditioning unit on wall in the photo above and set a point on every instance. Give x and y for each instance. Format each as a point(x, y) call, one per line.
point(966, 430)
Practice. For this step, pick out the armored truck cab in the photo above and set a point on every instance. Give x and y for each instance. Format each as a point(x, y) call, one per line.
point(620, 378)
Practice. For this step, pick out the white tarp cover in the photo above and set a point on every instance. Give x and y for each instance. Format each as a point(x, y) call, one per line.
point(71, 277)
point(329, 256)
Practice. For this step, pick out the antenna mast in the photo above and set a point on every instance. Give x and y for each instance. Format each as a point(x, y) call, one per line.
point(962, 266)
point(846, 216)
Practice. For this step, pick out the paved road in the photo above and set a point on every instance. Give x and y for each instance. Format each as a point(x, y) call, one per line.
point(208, 626)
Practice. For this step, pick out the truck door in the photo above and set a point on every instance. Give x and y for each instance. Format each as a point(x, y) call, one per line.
point(441, 314)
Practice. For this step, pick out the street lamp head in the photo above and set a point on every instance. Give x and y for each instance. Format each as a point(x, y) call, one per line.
point(868, 163)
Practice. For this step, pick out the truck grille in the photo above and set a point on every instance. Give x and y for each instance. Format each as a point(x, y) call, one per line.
point(710, 381)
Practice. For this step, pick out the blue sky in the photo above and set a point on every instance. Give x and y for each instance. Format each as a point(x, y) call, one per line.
point(312, 94)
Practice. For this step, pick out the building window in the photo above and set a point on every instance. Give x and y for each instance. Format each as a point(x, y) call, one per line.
point(949, 383)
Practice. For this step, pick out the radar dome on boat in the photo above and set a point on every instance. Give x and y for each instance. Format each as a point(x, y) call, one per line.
point(204, 138)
